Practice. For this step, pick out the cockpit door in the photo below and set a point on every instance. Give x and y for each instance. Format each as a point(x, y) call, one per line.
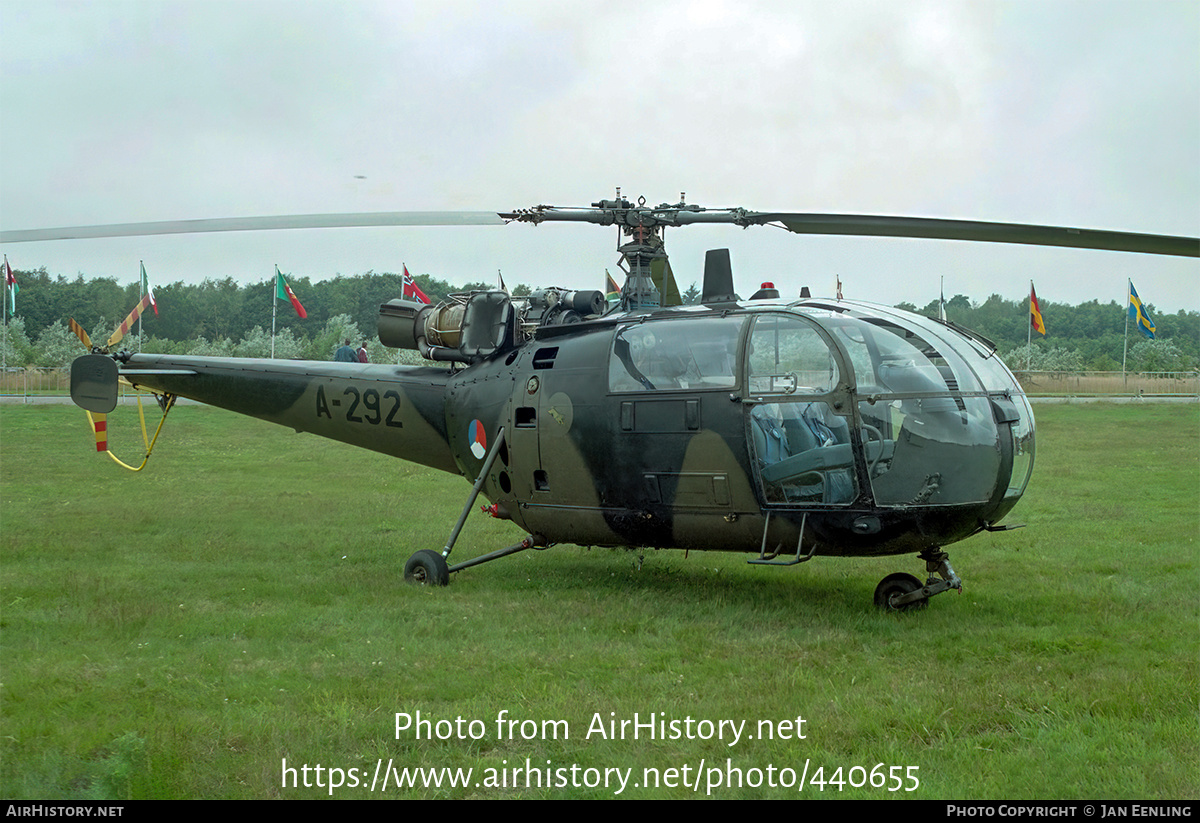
point(800, 446)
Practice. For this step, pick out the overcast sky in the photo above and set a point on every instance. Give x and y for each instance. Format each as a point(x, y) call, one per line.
point(1083, 114)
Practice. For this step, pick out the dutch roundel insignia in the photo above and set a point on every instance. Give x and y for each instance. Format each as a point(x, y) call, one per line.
point(478, 439)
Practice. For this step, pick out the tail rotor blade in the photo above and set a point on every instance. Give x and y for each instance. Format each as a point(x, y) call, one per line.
point(80, 333)
point(100, 429)
point(127, 324)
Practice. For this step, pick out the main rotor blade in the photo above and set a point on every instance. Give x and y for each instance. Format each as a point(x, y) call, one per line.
point(294, 221)
point(937, 229)
point(841, 224)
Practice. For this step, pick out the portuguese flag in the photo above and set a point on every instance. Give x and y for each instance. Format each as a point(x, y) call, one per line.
point(284, 292)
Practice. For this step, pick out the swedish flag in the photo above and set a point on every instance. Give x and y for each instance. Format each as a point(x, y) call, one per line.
point(1138, 313)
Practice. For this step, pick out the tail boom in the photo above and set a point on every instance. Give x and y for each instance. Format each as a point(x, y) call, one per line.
point(396, 410)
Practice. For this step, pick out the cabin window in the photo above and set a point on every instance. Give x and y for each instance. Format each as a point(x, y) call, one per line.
point(932, 452)
point(691, 353)
point(889, 358)
point(788, 356)
point(1022, 432)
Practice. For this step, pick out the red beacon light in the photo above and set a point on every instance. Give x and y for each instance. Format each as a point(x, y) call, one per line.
point(766, 291)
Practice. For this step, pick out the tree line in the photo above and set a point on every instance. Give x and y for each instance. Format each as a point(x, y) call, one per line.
point(1089, 336)
point(218, 317)
point(222, 317)
point(217, 308)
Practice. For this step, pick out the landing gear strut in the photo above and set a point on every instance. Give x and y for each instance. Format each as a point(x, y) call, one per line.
point(902, 592)
point(429, 568)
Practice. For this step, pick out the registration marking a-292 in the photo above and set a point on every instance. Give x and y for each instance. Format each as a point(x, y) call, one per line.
point(364, 406)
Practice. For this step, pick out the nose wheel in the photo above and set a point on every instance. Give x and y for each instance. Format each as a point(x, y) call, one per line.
point(891, 595)
point(902, 592)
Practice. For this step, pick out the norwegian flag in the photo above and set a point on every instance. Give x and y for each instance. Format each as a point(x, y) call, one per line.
point(411, 290)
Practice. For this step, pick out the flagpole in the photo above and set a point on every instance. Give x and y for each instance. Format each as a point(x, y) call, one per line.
point(274, 302)
point(10, 293)
point(141, 294)
point(1125, 352)
point(4, 361)
point(1029, 331)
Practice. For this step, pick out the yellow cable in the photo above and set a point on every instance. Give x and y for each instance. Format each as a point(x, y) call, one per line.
point(142, 417)
point(170, 404)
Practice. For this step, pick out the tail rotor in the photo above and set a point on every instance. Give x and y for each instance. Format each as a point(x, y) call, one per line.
point(94, 382)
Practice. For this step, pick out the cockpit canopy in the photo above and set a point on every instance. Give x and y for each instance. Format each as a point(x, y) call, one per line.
point(940, 419)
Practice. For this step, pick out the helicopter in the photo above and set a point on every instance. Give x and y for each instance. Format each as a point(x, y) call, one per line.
point(779, 428)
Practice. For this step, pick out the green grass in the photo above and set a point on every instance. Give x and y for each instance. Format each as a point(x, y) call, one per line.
point(179, 632)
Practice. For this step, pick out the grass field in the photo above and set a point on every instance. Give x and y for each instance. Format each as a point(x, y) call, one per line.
point(183, 632)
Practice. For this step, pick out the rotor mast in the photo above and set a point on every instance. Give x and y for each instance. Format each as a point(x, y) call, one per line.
point(643, 254)
point(644, 258)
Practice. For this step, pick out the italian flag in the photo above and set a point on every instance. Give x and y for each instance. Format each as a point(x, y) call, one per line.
point(148, 291)
point(284, 292)
point(10, 283)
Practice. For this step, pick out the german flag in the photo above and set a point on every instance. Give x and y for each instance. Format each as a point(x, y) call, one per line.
point(1035, 313)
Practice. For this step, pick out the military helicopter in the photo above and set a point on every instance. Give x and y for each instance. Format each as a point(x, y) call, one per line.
point(782, 428)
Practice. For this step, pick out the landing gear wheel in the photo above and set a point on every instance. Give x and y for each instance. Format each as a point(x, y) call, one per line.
point(898, 585)
point(427, 568)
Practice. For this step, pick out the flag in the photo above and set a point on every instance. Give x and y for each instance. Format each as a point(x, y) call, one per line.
point(611, 289)
point(10, 283)
point(1138, 313)
point(284, 292)
point(839, 287)
point(942, 302)
point(147, 290)
point(411, 290)
point(1035, 313)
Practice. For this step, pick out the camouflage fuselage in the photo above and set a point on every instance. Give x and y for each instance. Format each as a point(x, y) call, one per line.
point(605, 445)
